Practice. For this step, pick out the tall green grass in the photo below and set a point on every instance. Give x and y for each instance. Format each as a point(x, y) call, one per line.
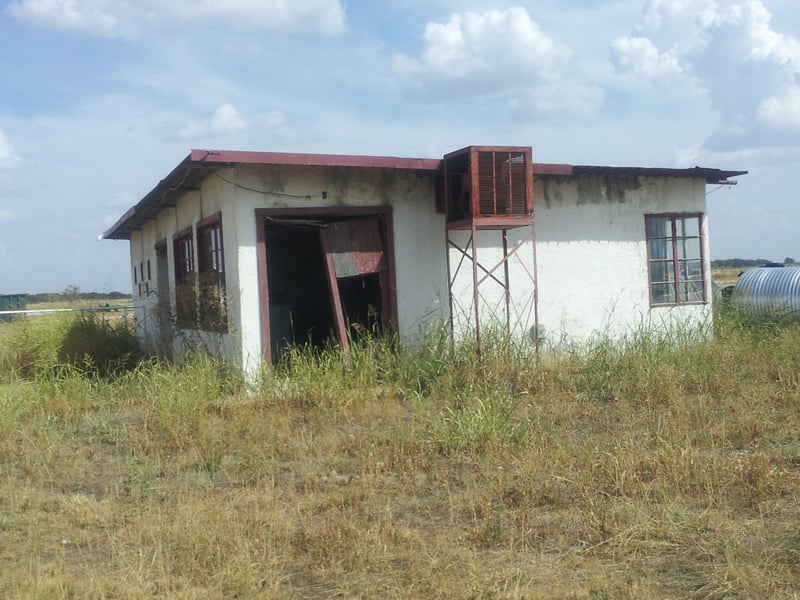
point(648, 466)
point(89, 342)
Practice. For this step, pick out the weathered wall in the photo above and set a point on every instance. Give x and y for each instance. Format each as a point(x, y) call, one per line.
point(189, 209)
point(418, 233)
point(417, 230)
point(591, 260)
point(491, 298)
point(591, 252)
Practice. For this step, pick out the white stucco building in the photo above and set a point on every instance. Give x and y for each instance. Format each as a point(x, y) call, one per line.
point(244, 252)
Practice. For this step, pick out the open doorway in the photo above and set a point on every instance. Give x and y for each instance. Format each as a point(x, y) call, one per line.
point(362, 304)
point(324, 274)
point(300, 307)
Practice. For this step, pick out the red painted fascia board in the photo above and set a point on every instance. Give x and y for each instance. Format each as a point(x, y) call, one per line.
point(244, 157)
point(220, 157)
point(552, 169)
point(315, 160)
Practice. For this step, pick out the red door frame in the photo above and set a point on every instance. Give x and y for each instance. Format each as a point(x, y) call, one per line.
point(388, 296)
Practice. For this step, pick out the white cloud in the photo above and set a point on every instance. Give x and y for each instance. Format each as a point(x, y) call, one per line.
point(125, 17)
point(565, 98)
point(640, 56)
point(8, 156)
point(276, 125)
point(765, 43)
point(660, 45)
point(782, 110)
point(684, 30)
point(92, 16)
point(226, 119)
point(504, 47)
point(677, 24)
point(490, 53)
point(747, 70)
point(298, 16)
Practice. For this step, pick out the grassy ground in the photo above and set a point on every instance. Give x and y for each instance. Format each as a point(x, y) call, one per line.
point(723, 277)
point(728, 276)
point(639, 469)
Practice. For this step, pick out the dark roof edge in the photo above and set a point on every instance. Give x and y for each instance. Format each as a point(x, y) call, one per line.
point(192, 168)
point(710, 175)
point(154, 197)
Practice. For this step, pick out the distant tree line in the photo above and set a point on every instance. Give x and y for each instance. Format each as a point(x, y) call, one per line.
point(737, 263)
point(71, 295)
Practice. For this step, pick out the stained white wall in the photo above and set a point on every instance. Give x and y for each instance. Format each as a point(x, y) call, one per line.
point(591, 252)
point(190, 208)
point(591, 261)
point(417, 229)
point(495, 310)
point(593, 256)
point(142, 304)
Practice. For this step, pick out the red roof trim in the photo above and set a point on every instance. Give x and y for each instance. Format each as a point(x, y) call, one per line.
point(244, 157)
point(315, 160)
point(551, 169)
point(190, 171)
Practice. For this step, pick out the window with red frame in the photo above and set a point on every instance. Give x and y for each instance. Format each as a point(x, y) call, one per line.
point(675, 258)
point(185, 286)
point(212, 303)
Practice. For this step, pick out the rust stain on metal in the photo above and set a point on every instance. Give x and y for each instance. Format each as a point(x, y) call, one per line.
point(355, 247)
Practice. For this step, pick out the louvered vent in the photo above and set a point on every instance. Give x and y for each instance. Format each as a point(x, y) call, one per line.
point(501, 183)
point(483, 182)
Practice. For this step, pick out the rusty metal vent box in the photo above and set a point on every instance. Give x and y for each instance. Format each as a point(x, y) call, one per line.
point(488, 182)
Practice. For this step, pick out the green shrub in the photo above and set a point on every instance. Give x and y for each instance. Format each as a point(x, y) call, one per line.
point(97, 346)
point(31, 348)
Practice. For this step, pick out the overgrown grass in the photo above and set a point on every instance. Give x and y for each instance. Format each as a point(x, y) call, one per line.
point(88, 342)
point(640, 468)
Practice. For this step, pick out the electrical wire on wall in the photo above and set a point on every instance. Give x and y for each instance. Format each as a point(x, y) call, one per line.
point(173, 188)
point(265, 192)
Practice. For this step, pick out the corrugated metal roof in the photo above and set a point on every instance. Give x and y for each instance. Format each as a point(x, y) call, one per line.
point(710, 175)
point(199, 164)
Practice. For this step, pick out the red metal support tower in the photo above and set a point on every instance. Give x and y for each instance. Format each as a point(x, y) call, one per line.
point(490, 189)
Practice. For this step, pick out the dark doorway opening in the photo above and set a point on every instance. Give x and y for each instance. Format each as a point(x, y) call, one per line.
point(299, 301)
point(325, 276)
point(361, 303)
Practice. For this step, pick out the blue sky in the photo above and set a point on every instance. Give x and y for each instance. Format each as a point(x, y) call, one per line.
point(102, 98)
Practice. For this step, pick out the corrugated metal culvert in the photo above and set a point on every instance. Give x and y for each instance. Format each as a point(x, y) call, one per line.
point(769, 292)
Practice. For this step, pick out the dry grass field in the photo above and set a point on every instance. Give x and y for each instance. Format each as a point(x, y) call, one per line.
point(726, 276)
point(644, 468)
